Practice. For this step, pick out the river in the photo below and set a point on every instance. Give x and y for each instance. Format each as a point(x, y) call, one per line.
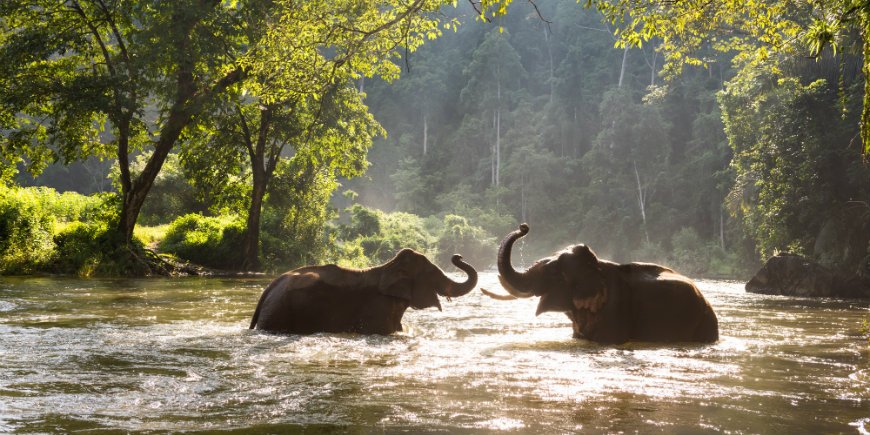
point(169, 355)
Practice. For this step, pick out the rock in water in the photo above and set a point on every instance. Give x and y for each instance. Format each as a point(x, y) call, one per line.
point(793, 275)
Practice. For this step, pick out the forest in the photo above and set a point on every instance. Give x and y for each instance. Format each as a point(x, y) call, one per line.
point(535, 115)
point(433, 216)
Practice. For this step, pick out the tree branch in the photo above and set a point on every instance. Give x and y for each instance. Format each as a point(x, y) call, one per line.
point(246, 132)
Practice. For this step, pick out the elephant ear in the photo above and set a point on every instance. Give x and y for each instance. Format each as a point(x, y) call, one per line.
point(557, 297)
point(424, 297)
point(401, 286)
point(582, 272)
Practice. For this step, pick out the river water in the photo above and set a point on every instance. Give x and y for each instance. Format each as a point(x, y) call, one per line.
point(169, 355)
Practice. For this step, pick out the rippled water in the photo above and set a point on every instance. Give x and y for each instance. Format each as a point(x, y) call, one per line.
point(176, 355)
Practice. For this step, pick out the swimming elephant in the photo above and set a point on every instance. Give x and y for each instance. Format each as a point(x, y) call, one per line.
point(330, 298)
point(608, 302)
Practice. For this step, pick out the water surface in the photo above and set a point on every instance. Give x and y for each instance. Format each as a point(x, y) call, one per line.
point(168, 355)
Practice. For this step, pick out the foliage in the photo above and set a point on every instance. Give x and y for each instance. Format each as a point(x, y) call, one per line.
point(457, 236)
point(581, 155)
point(111, 78)
point(172, 194)
point(208, 241)
point(27, 227)
point(373, 237)
point(61, 233)
point(151, 235)
point(294, 224)
point(795, 171)
point(760, 32)
point(94, 249)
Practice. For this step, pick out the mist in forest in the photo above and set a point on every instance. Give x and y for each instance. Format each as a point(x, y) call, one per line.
point(538, 117)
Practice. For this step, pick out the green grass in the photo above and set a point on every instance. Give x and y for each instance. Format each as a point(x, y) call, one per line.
point(150, 236)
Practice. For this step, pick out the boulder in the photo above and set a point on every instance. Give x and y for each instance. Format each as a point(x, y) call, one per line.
point(793, 275)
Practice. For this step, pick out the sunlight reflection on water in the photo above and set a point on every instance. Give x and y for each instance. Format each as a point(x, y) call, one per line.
point(175, 355)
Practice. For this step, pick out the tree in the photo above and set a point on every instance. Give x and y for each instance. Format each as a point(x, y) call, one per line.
point(799, 186)
point(140, 71)
point(759, 31)
point(329, 136)
point(144, 71)
point(493, 75)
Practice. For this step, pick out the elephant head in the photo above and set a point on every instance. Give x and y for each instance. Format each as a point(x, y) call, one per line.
point(411, 276)
point(569, 279)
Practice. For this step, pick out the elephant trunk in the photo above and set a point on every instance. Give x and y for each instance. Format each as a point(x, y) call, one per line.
point(456, 289)
point(516, 283)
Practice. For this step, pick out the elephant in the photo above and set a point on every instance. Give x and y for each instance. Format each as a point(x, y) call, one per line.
point(330, 298)
point(607, 302)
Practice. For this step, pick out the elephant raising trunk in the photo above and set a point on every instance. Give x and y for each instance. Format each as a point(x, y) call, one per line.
point(457, 289)
point(609, 302)
point(330, 298)
point(516, 283)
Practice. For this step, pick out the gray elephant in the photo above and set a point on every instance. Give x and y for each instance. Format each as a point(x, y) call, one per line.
point(609, 302)
point(330, 298)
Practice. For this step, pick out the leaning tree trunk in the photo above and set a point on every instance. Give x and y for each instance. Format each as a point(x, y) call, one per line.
point(622, 68)
point(138, 190)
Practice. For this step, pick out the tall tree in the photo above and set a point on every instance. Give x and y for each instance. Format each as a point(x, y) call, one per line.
point(329, 135)
point(144, 71)
point(494, 75)
point(139, 70)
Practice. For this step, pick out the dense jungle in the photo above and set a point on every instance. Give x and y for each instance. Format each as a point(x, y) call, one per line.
point(162, 162)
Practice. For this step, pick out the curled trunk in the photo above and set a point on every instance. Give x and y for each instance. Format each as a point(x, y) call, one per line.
point(456, 289)
point(516, 283)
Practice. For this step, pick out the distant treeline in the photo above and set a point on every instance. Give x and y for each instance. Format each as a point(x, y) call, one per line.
point(523, 120)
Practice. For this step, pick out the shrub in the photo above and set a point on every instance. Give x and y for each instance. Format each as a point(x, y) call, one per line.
point(208, 241)
point(691, 254)
point(25, 231)
point(88, 249)
point(363, 222)
point(459, 237)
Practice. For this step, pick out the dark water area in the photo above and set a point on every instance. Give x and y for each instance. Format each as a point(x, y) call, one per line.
point(172, 355)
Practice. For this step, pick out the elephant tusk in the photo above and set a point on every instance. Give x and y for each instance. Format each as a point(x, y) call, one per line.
point(514, 292)
point(497, 296)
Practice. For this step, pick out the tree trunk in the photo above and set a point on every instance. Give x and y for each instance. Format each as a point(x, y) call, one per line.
point(261, 172)
point(622, 69)
point(550, 55)
point(523, 206)
point(134, 198)
point(497, 146)
point(492, 156)
point(425, 133)
point(251, 243)
point(641, 199)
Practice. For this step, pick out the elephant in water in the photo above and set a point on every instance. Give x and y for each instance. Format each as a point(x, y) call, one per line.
point(330, 298)
point(609, 302)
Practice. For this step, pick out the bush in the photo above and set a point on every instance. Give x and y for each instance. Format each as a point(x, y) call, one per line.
point(363, 222)
point(459, 237)
point(89, 249)
point(26, 228)
point(208, 241)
